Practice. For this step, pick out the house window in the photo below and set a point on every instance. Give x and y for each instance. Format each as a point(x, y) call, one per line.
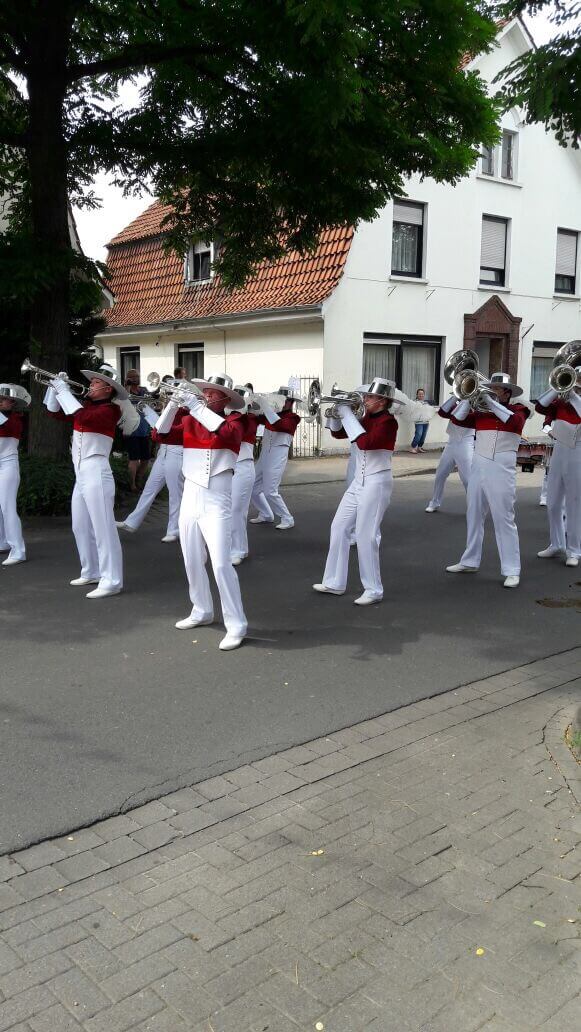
point(407, 243)
point(487, 161)
point(198, 264)
point(411, 362)
point(129, 358)
point(191, 358)
point(566, 264)
point(541, 365)
point(508, 155)
point(493, 251)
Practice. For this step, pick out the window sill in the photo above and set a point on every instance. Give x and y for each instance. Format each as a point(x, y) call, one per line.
point(407, 279)
point(498, 179)
point(566, 297)
point(493, 289)
point(198, 283)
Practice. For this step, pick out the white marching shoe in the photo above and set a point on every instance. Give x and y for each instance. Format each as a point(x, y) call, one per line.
point(367, 599)
point(193, 621)
point(121, 525)
point(549, 553)
point(459, 568)
point(169, 538)
point(237, 560)
point(231, 641)
point(81, 582)
point(259, 519)
point(432, 508)
point(104, 592)
point(12, 560)
point(511, 582)
point(285, 525)
point(571, 560)
point(324, 590)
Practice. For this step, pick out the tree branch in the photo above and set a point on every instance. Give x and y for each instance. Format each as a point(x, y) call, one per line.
point(135, 57)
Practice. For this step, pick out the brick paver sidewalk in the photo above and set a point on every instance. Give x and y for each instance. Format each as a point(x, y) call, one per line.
point(418, 871)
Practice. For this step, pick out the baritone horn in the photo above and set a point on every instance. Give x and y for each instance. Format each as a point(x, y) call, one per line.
point(354, 399)
point(44, 377)
point(458, 363)
point(566, 372)
point(461, 372)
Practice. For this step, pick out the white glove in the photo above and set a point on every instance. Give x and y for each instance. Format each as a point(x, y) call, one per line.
point(50, 400)
point(547, 398)
point(449, 404)
point(150, 415)
point(3, 419)
point(164, 422)
point(499, 410)
point(65, 396)
point(351, 424)
point(332, 424)
point(575, 401)
point(211, 420)
point(462, 410)
point(271, 415)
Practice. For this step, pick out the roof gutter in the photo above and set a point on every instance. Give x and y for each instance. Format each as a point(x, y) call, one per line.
point(263, 317)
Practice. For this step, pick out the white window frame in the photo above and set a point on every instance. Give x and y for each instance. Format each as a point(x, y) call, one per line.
point(421, 206)
point(496, 158)
point(490, 284)
point(573, 292)
point(199, 247)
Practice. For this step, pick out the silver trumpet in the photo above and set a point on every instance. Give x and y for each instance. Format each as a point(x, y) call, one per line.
point(565, 375)
point(354, 399)
point(44, 377)
point(182, 392)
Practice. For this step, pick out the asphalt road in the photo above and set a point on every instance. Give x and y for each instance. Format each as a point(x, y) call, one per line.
point(105, 705)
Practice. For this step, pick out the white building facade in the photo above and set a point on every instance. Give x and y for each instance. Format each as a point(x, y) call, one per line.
point(492, 264)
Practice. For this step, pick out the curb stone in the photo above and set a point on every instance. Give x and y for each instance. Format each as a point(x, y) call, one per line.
point(559, 751)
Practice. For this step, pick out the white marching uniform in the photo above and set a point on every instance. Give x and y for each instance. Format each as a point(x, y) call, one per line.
point(165, 472)
point(564, 476)
point(211, 444)
point(458, 453)
point(242, 487)
point(93, 519)
point(11, 539)
point(276, 441)
point(364, 503)
point(492, 482)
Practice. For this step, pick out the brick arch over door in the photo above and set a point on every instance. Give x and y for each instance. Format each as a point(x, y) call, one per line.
point(494, 320)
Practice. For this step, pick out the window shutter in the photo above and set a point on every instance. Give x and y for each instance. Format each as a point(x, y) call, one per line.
point(493, 244)
point(566, 253)
point(413, 214)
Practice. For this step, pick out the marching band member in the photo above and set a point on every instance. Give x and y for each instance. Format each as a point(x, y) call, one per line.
point(13, 401)
point(244, 476)
point(94, 422)
point(367, 497)
point(492, 480)
point(280, 428)
point(564, 475)
point(166, 471)
point(459, 452)
point(211, 441)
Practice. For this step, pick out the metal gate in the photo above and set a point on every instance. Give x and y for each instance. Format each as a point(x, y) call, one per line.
point(307, 440)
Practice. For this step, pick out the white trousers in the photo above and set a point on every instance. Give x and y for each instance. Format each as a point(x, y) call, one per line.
point(564, 490)
point(266, 497)
point(361, 509)
point(166, 470)
point(242, 484)
point(492, 488)
point(457, 453)
point(11, 539)
point(206, 526)
point(94, 527)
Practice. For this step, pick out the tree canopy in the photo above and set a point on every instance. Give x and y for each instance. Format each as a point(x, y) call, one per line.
point(546, 81)
point(260, 121)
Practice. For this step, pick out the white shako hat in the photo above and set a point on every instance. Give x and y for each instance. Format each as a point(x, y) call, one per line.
point(248, 397)
point(381, 388)
point(109, 377)
point(503, 380)
point(222, 382)
point(19, 395)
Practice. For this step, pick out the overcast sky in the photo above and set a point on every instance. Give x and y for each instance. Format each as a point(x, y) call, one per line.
point(96, 228)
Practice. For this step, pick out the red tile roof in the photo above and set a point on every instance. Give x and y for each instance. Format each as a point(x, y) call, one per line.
point(149, 287)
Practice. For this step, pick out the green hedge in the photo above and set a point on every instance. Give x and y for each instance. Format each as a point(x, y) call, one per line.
point(46, 485)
